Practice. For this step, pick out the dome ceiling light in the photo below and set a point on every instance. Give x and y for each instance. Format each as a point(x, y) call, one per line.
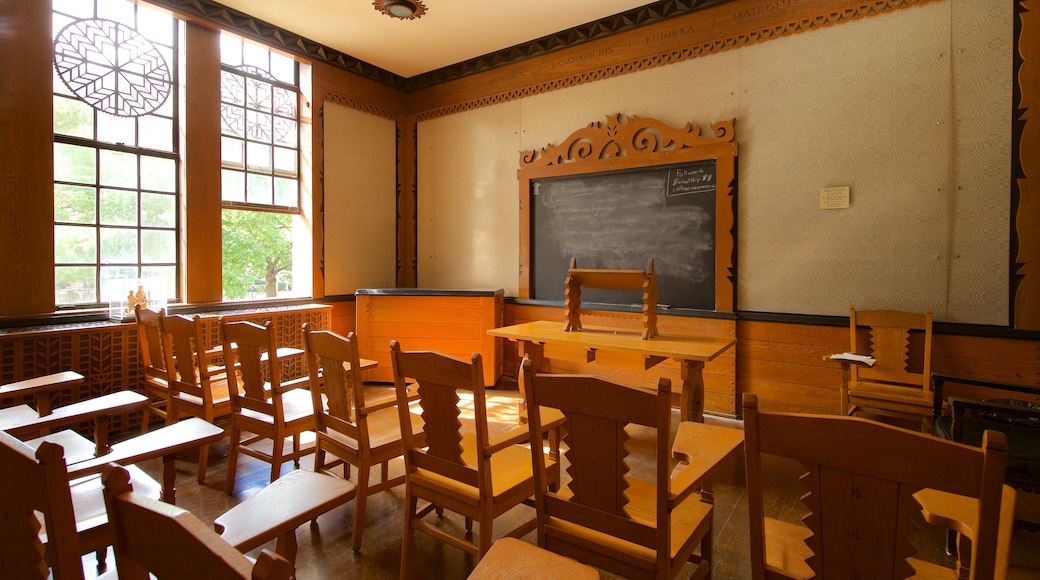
point(401, 9)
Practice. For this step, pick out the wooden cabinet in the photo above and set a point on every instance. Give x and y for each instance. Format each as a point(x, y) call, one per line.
point(453, 322)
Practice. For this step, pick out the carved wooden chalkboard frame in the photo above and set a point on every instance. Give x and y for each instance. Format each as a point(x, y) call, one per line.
point(623, 142)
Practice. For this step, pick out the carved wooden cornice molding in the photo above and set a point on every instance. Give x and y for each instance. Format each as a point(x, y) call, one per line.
point(829, 17)
point(359, 105)
point(624, 136)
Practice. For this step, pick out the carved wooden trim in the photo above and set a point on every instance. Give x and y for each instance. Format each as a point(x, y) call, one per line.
point(623, 136)
point(353, 103)
point(1024, 287)
point(737, 39)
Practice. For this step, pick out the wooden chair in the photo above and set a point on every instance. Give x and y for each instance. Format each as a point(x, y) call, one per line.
point(74, 518)
point(169, 542)
point(261, 404)
point(352, 431)
point(861, 477)
point(604, 515)
point(197, 388)
point(468, 473)
point(154, 364)
point(895, 386)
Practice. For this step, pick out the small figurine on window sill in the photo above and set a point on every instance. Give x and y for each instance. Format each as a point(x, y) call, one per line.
point(133, 299)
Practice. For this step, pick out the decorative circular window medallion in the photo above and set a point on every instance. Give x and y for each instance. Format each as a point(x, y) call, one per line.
point(111, 67)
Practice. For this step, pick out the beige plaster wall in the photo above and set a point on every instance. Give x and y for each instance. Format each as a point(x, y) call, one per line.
point(360, 200)
point(910, 110)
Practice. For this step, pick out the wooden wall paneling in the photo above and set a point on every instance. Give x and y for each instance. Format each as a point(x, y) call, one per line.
point(1025, 225)
point(407, 202)
point(202, 218)
point(26, 159)
point(332, 84)
point(343, 319)
point(106, 355)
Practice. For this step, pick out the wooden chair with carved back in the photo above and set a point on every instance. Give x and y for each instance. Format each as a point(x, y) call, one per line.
point(73, 513)
point(262, 405)
point(152, 351)
point(635, 525)
point(198, 388)
point(862, 478)
point(898, 384)
point(152, 537)
point(469, 473)
point(349, 429)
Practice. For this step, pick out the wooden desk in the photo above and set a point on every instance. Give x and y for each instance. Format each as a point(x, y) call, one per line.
point(701, 448)
point(277, 510)
point(41, 388)
point(690, 351)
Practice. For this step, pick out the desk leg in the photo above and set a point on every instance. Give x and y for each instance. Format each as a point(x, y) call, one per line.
point(169, 479)
point(536, 352)
point(286, 548)
point(691, 402)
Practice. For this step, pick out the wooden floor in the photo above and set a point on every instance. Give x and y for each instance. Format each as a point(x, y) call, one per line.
point(325, 552)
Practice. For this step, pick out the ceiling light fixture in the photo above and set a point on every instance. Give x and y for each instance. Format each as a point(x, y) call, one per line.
point(401, 9)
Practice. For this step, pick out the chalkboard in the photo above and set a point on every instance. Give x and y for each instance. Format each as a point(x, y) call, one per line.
point(617, 220)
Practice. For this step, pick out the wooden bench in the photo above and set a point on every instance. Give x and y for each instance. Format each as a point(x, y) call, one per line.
point(275, 511)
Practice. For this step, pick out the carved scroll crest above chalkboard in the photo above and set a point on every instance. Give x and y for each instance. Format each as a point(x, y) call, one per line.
point(620, 191)
point(622, 136)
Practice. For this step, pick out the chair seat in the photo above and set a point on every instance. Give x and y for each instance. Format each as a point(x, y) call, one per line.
point(510, 469)
point(88, 502)
point(786, 550)
point(384, 428)
point(890, 396)
point(220, 394)
point(296, 405)
point(689, 519)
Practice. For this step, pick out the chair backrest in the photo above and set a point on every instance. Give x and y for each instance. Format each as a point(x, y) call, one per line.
point(150, 343)
point(251, 350)
point(860, 479)
point(438, 379)
point(168, 541)
point(328, 356)
point(890, 344)
point(596, 414)
point(186, 357)
point(36, 482)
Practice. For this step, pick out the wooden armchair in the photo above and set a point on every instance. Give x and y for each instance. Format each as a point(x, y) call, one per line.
point(468, 473)
point(154, 364)
point(196, 387)
point(894, 386)
point(261, 404)
point(604, 515)
point(352, 431)
point(169, 542)
point(861, 477)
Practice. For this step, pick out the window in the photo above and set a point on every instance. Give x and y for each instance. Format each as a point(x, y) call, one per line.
point(116, 163)
point(260, 179)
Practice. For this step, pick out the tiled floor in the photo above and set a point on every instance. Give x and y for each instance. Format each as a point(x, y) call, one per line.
point(324, 549)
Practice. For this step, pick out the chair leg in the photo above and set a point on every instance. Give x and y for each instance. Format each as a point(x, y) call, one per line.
point(232, 460)
point(487, 522)
point(410, 504)
point(277, 445)
point(296, 450)
point(203, 461)
point(360, 501)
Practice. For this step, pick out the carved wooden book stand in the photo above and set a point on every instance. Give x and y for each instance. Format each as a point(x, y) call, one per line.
point(611, 280)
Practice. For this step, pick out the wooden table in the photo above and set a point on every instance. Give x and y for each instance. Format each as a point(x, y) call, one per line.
point(690, 351)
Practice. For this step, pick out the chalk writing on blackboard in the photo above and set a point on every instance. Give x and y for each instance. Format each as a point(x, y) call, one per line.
point(691, 178)
point(616, 220)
